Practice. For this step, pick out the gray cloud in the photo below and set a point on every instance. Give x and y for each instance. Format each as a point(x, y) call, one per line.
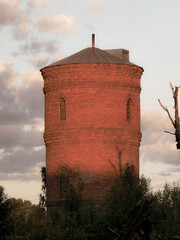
point(31, 176)
point(15, 135)
point(19, 104)
point(166, 174)
point(41, 62)
point(20, 161)
point(21, 30)
point(21, 116)
point(31, 100)
point(158, 146)
point(10, 12)
point(9, 110)
point(162, 152)
point(28, 106)
point(36, 47)
point(174, 169)
point(6, 74)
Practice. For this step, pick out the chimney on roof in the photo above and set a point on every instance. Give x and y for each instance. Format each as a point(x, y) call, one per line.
point(120, 53)
point(93, 40)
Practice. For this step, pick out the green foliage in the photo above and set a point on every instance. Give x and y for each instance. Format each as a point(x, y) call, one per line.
point(75, 220)
point(86, 220)
point(4, 213)
point(19, 219)
point(78, 219)
point(126, 192)
point(42, 197)
point(19, 216)
point(166, 211)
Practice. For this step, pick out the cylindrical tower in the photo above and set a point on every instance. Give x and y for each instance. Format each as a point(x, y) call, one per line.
point(92, 121)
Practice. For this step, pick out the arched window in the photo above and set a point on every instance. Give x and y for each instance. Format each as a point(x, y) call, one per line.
point(64, 183)
point(129, 103)
point(62, 109)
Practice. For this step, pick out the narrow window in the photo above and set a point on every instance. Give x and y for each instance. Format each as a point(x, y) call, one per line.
point(129, 103)
point(62, 109)
point(64, 183)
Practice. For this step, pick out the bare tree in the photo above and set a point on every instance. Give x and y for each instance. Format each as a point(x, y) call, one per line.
point(175, 123)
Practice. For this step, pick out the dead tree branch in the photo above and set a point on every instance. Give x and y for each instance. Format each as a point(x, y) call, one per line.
point(176, 123)
point(166, 109)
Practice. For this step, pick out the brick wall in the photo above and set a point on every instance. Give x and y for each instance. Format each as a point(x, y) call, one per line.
point(96, 129)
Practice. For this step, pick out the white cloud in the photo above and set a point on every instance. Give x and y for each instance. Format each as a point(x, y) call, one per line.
point(155, 121)
point(40, 4)
point(56, 24)
point(29, 77)
point(95, 6)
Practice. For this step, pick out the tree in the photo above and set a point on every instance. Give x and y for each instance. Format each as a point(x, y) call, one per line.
point(125, 195)
point(165, 212)
point(129, 198)
point(42, 197)
point(20, 211)
point(4, 213)
point(175, 123)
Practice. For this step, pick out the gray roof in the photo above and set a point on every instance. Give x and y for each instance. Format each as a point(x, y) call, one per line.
point(91, 55)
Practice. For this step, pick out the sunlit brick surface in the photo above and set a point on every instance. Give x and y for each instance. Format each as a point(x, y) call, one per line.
point(88, 143)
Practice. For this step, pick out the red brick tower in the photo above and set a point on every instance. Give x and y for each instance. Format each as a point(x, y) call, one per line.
point(92, 121)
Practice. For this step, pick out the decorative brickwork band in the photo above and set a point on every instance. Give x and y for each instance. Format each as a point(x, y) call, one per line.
point(97, 135)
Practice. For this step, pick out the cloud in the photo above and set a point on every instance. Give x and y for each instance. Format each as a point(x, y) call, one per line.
point(95, 6)
point(158, 146)
point(6, 75)
point(21, 123)
point(174, 169)
point(40, 62)
point(165, 174)
point(20, 103)
point(31, 100)
point(153, 125)
point(8, 108)
point(155, 121)
point(40, 4)
point(36, 47)
point(10, 12)
point(17, 135)
point(21, 30)
point(21, 160)
point(56, 24)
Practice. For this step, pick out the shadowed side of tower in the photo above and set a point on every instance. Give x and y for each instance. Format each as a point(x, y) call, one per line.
point(92, 121)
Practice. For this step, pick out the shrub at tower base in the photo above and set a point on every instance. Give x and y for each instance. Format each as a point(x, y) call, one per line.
point(80, 219)
point(84, 220)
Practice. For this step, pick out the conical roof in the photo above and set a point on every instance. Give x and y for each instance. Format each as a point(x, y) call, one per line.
point(91, 55)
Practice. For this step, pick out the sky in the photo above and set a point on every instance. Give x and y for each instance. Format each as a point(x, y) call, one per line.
point(35, 33)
